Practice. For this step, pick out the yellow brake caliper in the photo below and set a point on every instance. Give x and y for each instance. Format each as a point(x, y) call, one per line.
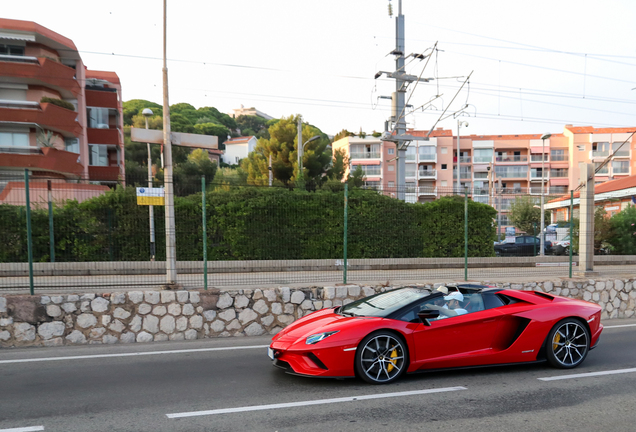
point(556, 340)
point(394, 354)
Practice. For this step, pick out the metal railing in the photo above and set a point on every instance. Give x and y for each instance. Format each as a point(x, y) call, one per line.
point(365, 155)
point(515, 158)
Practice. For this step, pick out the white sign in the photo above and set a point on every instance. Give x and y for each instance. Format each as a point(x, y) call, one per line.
point(150, 196)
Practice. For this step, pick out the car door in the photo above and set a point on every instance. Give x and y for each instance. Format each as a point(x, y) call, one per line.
point(454, 341)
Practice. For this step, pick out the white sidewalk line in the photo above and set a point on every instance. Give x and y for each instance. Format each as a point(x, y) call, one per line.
point(311, 402)
point(147, 353)
point(619, 326)
point(589, 374)
point(24, 429)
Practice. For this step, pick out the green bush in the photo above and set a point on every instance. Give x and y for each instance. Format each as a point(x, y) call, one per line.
point(247, 223)
point(622, 235)
point(58, 102)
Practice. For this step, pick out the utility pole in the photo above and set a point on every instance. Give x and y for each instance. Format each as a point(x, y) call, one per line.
point(171, 246)
point(398, 103)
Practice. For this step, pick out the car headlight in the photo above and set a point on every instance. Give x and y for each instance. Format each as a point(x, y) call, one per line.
point(318, 337)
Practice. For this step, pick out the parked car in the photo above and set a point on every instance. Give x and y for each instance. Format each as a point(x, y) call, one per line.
point(562, 247)
point(523, 246)
point(382, 337)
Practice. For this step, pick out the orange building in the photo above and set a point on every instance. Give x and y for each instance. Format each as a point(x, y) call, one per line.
point(58, 119)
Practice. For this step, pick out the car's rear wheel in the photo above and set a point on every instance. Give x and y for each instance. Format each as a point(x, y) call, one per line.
point(381, 358)
point(568, 344)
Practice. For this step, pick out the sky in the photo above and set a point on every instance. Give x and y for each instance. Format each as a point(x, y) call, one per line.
point(534, 66)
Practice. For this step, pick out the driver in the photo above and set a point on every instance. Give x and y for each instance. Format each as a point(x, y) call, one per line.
point(452, 306)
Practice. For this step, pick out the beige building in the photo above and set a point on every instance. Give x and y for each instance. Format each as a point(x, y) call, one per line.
point(494, 169)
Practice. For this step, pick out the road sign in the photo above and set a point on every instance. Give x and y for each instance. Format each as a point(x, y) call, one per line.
point(207, 142)
point(150, 196)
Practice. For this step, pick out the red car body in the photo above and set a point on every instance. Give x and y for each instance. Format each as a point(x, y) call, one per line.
point(515, 332)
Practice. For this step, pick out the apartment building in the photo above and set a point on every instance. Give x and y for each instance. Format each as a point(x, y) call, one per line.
point(494, 169)
point(58, 119)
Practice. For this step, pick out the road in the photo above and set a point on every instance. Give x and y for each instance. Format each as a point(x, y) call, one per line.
point(109, 283)
point(225, 384)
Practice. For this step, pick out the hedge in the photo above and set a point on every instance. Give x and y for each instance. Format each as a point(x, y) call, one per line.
point(252, 224)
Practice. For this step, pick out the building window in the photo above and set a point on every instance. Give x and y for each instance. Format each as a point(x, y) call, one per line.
point(391, 184)
point(559, 172)
point(620, 167)
point(14, 139)
point(444, 150)
point(237, 159)
point(391, 167)
point(72, 145)
point(11, 50)
point(98, 155)
point(482, 155)
point(391, 151)
point(558, 155)
point(443, 166)
point(97, 118)
point(444, 183)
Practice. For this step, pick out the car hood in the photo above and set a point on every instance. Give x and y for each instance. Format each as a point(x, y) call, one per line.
point(318, 322)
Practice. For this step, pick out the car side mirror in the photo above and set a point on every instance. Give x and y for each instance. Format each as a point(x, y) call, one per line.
point(426, 315)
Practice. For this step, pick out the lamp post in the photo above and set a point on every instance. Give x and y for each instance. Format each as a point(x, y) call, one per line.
point(147, 113)
point(460, 123)
point(544, 137)
point(301, 152)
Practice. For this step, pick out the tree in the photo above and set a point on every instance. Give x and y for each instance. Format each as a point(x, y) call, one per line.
point(356, 179)
point(250, 125)
point(524, 215)
point(221, 132)
point(134, 107)
point(282, 146)
point(339, 166)
point(622, 236)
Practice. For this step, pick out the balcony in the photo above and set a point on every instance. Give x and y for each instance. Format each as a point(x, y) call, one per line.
point(548, 191)
point(517, 174)
point(534, 176)
point(104, 173)
point(482, 159)
point(464, 159)
point(599, 154)
point(538, 158)
point(516, 158)
point(560, 158)
point(42, 159)
point(42, 70)
point(49, 116)
point(4, 103)
point(621, 154)
point(101, 99)
point(428, 157)
point(463, 174)
point(427, 174)
point(410, 157)
point(480, 176)
point(410, 174)
point(103, 136)
point(426, 191)
point(480, 191)
point(364, 155)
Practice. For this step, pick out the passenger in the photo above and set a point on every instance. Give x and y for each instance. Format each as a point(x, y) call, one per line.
point(440, 300)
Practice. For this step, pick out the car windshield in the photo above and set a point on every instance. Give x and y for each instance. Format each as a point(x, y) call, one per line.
point(383, 304)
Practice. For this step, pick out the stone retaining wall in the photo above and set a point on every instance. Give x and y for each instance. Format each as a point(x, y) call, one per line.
point(146, 316)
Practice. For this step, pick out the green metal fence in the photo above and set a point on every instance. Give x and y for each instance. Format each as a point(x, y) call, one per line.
point(59, 236)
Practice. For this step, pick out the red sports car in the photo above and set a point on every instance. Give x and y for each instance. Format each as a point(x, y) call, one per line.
point(381, 337)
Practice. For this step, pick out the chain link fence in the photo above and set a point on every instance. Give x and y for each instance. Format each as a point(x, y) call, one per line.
point(89, 236)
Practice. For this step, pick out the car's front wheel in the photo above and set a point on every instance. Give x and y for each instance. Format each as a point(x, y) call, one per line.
point(568, 344)
point(381, 358)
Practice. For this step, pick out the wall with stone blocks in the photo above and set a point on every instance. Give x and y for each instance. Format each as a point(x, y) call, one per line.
point(146, 316)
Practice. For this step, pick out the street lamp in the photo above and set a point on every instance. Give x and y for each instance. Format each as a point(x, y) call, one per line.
point(460, 123)
point(301, 152)
point(544, 137)
point(147, 113)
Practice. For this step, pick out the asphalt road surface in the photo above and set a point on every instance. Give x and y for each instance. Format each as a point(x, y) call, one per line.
point(230, 385)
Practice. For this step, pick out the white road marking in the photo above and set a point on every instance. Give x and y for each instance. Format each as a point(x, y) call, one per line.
point(24, 429)
point(147, 353)
point(619, 326)
point(589, 374)
point(311, 402)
